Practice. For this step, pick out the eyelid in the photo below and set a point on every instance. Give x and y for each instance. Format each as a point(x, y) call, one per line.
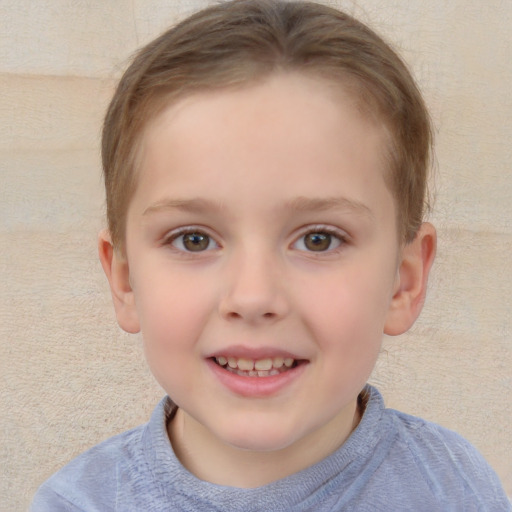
point(340, 234)
point(171, 236)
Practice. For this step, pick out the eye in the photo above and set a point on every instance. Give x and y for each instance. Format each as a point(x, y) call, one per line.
point(192, 241)
point(319, 241)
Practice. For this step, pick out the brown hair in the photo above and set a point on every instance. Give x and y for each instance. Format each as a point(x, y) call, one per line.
point(241, 41)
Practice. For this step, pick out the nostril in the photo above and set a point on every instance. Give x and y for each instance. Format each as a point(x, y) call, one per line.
point(234, 315)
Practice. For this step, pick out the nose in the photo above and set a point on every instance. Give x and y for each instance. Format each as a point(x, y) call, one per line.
point(253, 289)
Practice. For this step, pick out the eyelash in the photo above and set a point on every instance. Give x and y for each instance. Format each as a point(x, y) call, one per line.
point(333, 233)
point(174, 236)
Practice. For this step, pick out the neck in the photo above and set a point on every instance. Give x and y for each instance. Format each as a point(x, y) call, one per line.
point(211, 459)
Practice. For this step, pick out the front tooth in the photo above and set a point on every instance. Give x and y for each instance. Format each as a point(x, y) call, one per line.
point(288, 362)
point(245, 364)
point(232, 362)
point(263, 364)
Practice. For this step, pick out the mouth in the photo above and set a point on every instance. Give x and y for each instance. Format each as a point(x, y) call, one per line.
point(266, 367)
point(256, 372)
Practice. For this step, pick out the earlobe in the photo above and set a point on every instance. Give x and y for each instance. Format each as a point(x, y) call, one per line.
point(409, 296)
point(115, 266)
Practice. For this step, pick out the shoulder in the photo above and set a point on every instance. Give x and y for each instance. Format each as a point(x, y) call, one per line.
point(113, 475)
point(447, 464)
point(433, 444)
point(89, 482)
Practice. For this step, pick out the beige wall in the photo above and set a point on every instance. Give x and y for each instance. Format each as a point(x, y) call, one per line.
point(70, 377)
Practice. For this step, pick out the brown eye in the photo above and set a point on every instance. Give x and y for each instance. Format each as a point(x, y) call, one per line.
point(317, 241)
point(192, 242)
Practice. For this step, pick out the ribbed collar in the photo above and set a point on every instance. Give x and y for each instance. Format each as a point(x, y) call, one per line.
point(299, 491)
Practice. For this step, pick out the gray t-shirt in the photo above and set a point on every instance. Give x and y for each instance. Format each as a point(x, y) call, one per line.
point(391, 462)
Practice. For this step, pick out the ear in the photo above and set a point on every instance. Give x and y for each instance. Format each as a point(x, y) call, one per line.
point(411, 286)
point(115, 266)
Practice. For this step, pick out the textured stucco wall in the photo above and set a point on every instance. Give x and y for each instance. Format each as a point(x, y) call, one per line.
point(70, 377)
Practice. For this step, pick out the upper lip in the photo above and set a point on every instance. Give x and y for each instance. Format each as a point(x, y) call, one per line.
point(254, 353)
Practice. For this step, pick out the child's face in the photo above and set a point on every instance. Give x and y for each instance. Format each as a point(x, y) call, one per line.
point(262, 230)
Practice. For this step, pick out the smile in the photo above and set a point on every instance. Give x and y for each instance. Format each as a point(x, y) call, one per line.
point(260, 374)
point(258, 367)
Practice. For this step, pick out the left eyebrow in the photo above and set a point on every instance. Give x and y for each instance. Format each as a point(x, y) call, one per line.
point(311, 204)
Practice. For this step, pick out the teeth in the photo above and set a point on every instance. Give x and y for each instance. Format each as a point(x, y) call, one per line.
point(259, 367)
point(262, 364)
point(246, 365)
point(277, 362)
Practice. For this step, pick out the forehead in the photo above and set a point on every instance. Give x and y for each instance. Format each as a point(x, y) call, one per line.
point(289, 131)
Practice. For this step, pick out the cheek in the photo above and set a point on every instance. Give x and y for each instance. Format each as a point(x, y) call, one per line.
point(173, 310)
point(348, 315)
point(165, 297)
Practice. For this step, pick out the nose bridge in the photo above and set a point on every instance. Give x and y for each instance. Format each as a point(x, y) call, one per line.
point(253, 285)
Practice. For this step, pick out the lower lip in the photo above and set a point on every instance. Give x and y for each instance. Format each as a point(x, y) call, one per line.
point(255, 387)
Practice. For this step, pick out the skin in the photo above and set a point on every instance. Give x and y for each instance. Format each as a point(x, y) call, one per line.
point(254, 171)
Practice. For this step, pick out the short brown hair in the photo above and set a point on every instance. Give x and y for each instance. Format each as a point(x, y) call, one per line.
point(240, 41)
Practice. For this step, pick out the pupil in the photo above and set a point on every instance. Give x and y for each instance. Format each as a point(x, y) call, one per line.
point(195, 241)
point(318, 241)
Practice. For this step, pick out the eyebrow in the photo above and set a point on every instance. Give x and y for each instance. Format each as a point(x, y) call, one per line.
point(307, 204)
point(299, 204)
point(195, 205)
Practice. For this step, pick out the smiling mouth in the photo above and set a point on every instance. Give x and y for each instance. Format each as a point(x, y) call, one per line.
point(257, 368)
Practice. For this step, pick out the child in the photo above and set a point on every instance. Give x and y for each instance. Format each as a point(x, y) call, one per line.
point(265, 166)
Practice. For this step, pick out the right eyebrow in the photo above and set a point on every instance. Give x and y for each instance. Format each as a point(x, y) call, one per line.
point(193, 205)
